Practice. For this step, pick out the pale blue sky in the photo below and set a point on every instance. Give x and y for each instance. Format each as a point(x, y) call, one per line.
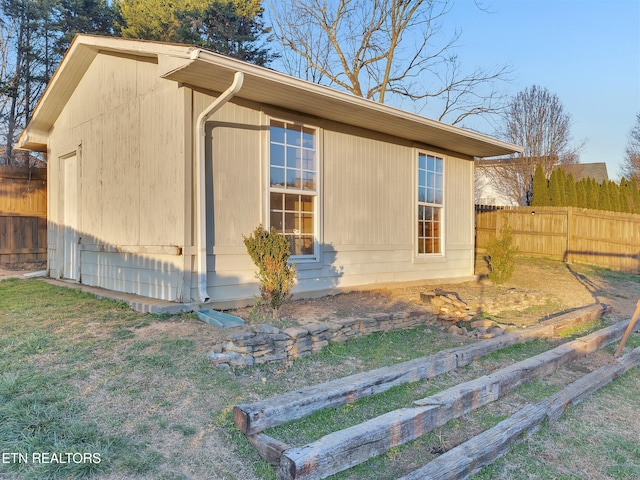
point(585, 51)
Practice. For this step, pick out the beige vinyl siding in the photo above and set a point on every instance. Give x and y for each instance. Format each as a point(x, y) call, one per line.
point(236, 146)
point(152, 276)
point(459, 228)
point(367, 188)
point(367, 214)
point(127, 125)
point(132, 176)
point(234, 195)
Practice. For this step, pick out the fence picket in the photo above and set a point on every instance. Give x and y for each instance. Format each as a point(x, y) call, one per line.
point(606, 239)
point(23, 214)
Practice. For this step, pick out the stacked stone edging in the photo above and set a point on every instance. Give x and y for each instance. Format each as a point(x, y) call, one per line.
point(261, 344)
point(449, 305)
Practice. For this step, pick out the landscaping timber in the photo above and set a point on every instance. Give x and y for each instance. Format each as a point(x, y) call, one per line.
point(468, 458)
point(268, 447)
point(256, 417)
point(346, 448)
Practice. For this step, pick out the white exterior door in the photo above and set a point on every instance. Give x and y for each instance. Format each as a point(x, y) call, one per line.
point(70, 217)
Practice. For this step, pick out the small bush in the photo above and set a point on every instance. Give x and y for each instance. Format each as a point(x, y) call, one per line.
point(270, 252)
point(501, 256)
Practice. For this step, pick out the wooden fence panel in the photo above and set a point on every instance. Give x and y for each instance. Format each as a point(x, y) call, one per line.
point(606, 239)
point(23, 214)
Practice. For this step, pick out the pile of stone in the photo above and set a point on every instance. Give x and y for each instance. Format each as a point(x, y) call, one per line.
point(479, 329)
point(450, 307)
point(512, 299)
point(259, 344)
point(447, 305)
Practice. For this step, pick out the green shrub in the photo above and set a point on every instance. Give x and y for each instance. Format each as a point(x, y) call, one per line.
point(501, 256)
point(270, 252)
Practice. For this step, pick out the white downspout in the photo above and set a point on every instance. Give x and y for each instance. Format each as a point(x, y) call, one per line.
point(201, 199)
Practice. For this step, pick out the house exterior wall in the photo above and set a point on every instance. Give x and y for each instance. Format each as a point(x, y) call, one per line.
point(126, 127)
point(367, 215)
point(486, 192)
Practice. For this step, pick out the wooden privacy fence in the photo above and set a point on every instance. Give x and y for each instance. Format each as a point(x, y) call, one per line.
point(570, 234)
point(23, 214)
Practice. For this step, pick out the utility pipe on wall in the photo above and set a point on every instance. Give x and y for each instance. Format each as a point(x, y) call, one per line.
point(201, 198)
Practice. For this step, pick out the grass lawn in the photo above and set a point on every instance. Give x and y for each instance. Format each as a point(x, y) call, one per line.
point(90, 389)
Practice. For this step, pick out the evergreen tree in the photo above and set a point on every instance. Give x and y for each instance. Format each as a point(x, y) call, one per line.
point(556, 188)
point(626, 202)
point(614, 195)
point(28, 73)
point(230, 27)
point(540, 188)
point(148, 19)
point(571, 193)
point(40, 34)
point(604, 199)
point(81, 16)
point(562, 184)
point(635, 196)
point(593, 194)
point(581, 193)
point(224, 28)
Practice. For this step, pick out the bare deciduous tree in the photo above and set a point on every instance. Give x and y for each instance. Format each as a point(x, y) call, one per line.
point(378, 49)
point(6, 31)
point(536, 120)
point(35, 35)
point(631, 162)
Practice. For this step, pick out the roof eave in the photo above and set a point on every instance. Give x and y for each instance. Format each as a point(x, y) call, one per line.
point(74, 64)
point(214, 72)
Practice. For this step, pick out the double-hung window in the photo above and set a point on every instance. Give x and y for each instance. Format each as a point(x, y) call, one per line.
point(430, 204)
point(293, 185)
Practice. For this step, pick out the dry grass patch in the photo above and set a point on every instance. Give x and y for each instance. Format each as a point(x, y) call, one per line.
point(90, 375)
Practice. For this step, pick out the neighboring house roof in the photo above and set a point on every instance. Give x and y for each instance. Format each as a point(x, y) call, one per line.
point(209, 71)
point(597, 171)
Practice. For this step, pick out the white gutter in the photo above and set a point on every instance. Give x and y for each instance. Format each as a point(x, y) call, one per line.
point(201, 209)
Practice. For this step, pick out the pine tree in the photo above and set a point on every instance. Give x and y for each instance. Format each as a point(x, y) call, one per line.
point(540, 188)
point(225, 28)
point(40, 34)
point(148, 19)
point(27, 74)
point(230, 27)
point(81, 16)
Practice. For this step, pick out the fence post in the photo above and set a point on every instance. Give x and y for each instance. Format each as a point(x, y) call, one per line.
point(569, 234)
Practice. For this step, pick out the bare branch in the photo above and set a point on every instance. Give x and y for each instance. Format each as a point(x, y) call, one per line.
point(382, 49)
point(536, 120)
point(631, 162)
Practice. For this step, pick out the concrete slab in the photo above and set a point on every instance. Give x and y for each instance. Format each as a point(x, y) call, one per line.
point(136, 302)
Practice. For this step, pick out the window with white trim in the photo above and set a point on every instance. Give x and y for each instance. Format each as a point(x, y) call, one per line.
point(430, 203)
point(293, 185)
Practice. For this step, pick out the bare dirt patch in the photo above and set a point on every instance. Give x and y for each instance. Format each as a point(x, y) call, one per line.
point(8, 270)
point(565, 288)
point(149, 379)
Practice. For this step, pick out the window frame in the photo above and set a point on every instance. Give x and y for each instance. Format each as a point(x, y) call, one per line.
point(315, 193)
point(441, 206)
